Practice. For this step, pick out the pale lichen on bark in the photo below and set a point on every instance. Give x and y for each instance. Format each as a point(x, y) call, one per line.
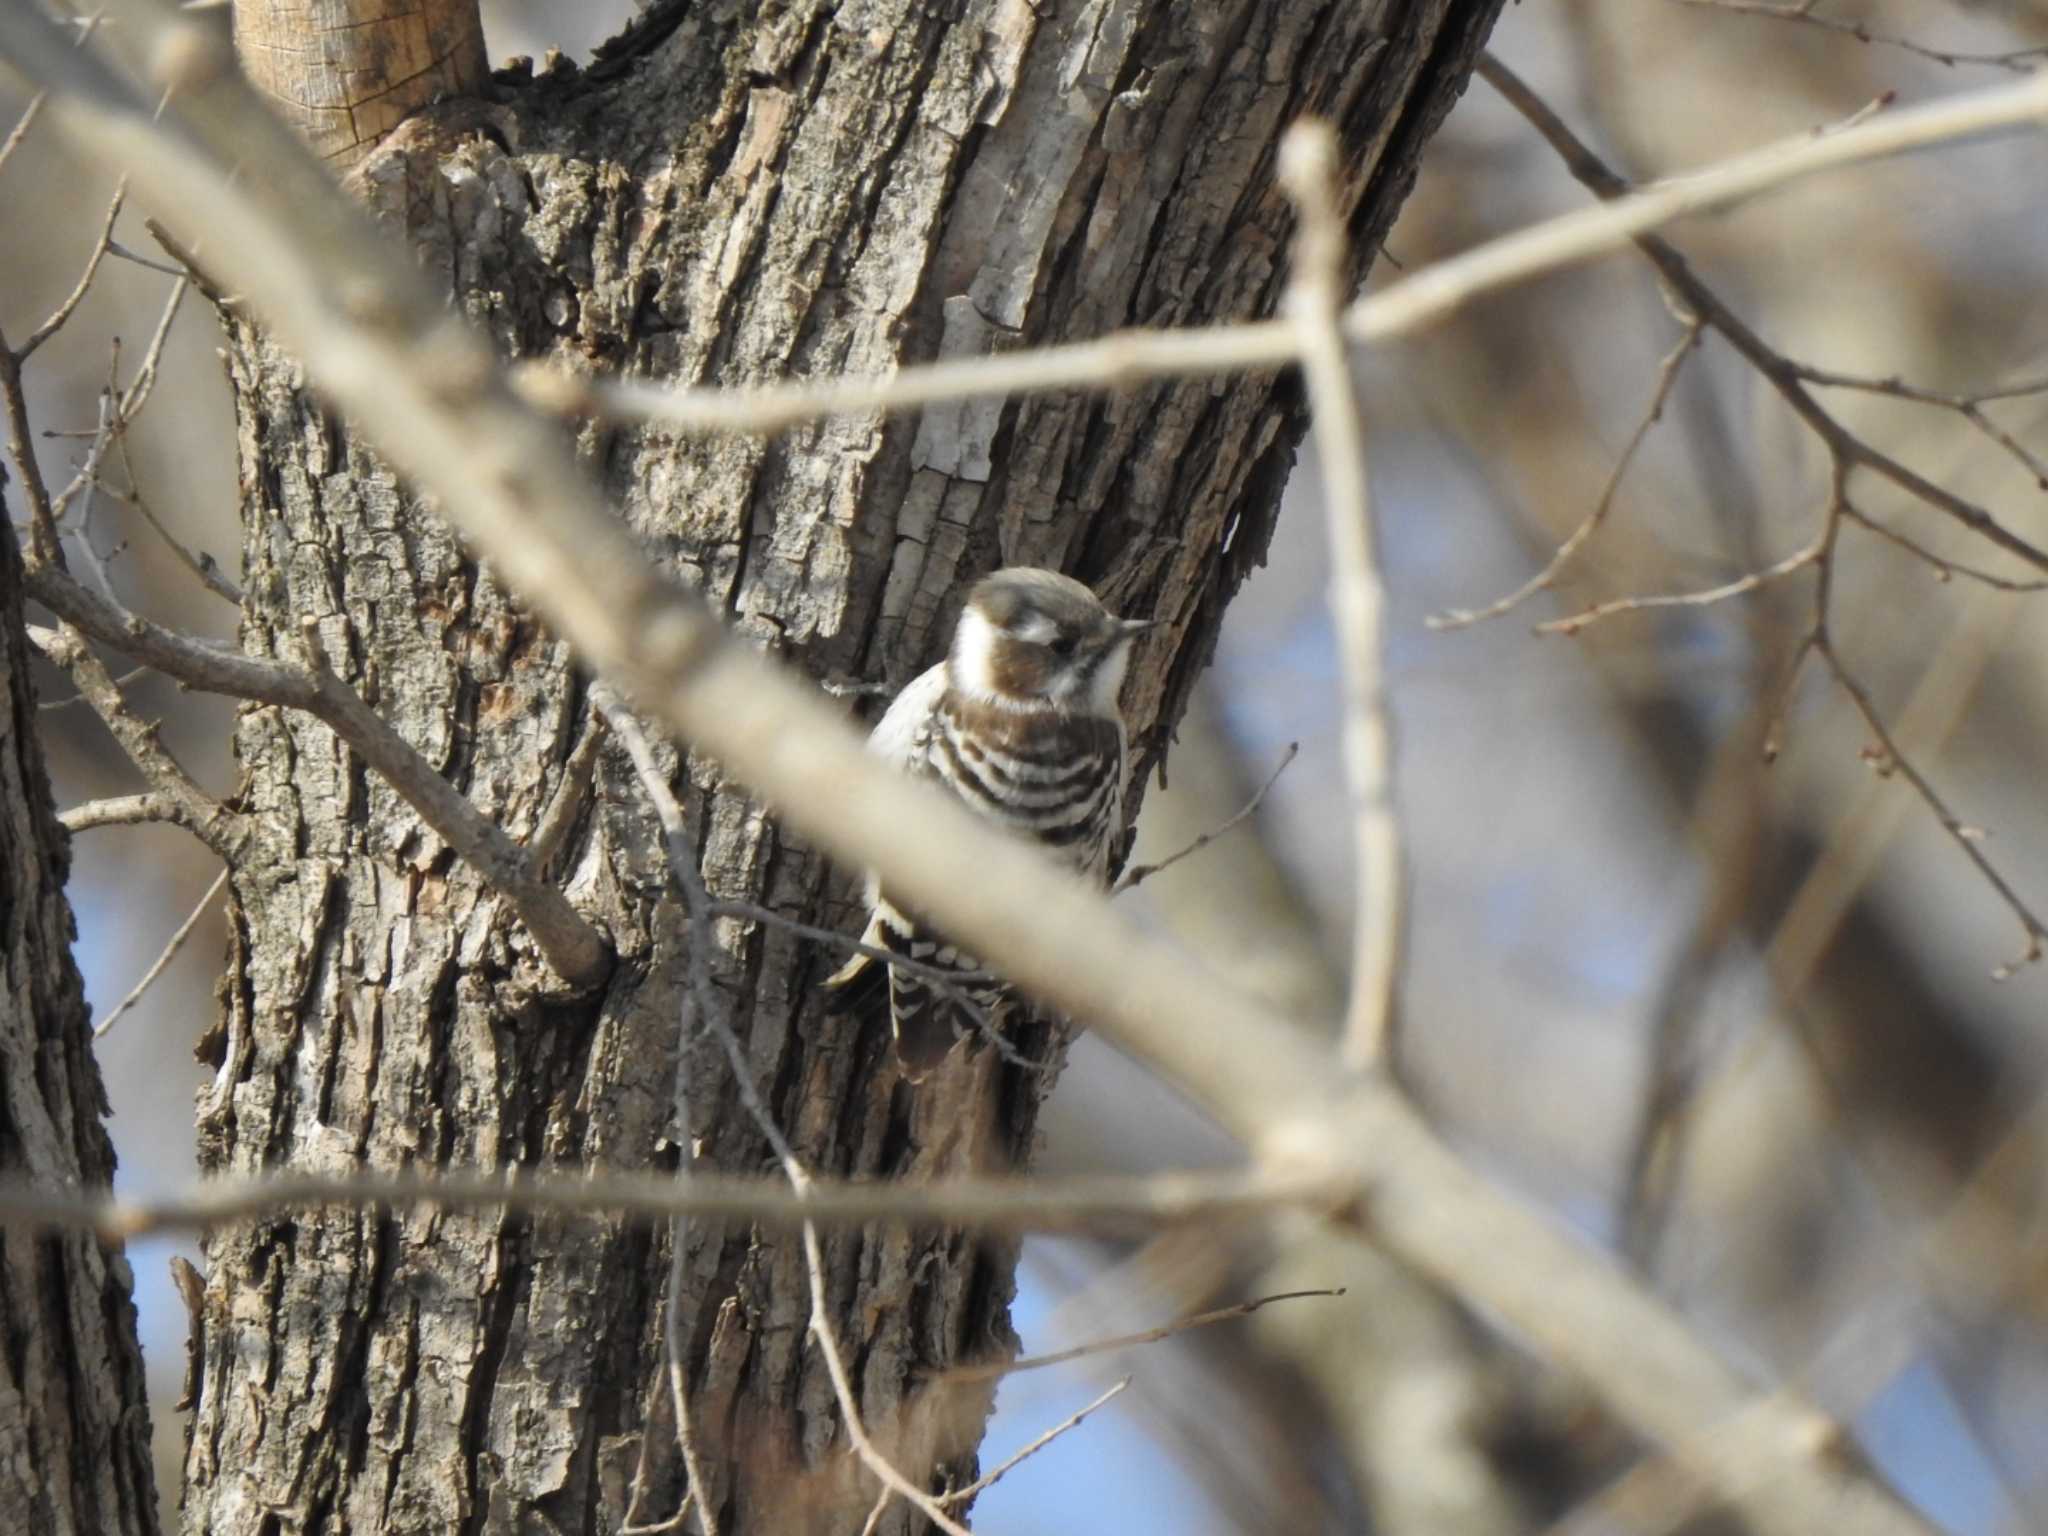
point(725, 197)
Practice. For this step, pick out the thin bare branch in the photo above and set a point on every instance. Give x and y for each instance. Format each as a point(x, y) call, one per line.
point(1970, 407)
point(883, 1500)
point(989, 1479)
point(170, 951)
point(1543, 580)
point(1782, 375)
point(1969, 839)
point(125, 810)
point(148, 263)
point(1138, 874)
point(72, 300)
point(2018, 61)
point(199, 563)
point(1944, 569)
point(996, 1368)
point(1857, 843)
point(1706, 597)
point(842, 1384)
point(1315, 303)
point(21, 127)
point(689, 879)
point(425, 390)
point(132, 675)
point(42, 517)
point(953, 985)
point(571, 945)
point(612, 716)
point(220, 829)
point(1408, 305)
point(1123, 1204)
point(144, 383)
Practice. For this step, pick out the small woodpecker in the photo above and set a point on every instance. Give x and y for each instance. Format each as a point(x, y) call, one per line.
point(1021, 722)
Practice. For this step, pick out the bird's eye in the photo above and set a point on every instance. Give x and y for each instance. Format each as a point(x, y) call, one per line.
point(1064, 646)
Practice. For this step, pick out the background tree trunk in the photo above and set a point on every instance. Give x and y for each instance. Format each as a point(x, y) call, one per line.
point(74, 1415)
point(725, 196)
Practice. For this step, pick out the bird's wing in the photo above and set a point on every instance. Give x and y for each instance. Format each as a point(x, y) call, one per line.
point(901, 736)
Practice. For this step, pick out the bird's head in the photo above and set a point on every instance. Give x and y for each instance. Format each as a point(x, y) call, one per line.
point(1032, 639)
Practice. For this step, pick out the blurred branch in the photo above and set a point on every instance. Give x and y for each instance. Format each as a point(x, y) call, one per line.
point(1127, 1340)
point(1315, 302)
point(1800, 559)
point(1014, 1205)
point(1781, 373)
point(1410, 304)
point(383, 344)
point(20, 129)
point(1847, 453)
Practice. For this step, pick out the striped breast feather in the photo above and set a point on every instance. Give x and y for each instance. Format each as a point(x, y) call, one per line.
point(1052, 777)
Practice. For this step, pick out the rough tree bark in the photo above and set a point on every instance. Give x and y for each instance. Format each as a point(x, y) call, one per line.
point(729, 194)
point(74, 1415)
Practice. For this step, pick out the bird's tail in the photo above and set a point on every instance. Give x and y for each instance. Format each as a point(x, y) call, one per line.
point(924, 1019)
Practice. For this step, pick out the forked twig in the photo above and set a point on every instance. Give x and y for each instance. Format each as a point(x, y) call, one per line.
point(989, 1479)
point(1847, 453)
point(2016, 60)
point(996, 1368)
point(170, 950)
point(66, 309)
point(1963, 835)
point(1543, 580)
point(1138, 874)
point(1705, 597)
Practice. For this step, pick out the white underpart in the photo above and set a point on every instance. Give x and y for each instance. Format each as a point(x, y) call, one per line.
point(895, 736)
point(899, 737)
point(1108, 682)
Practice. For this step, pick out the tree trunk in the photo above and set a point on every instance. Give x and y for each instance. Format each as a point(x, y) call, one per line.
point(345, 73)
point(727, 195)
point(74, 1414)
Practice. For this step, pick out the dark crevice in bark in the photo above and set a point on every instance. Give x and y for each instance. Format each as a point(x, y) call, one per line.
point(500, 1308)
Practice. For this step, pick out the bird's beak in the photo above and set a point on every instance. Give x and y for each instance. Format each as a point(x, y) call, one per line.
point(1137, 626)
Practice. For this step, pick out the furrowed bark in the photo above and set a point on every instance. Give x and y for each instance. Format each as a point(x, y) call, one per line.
point(74, 1414)
point(725, 197)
